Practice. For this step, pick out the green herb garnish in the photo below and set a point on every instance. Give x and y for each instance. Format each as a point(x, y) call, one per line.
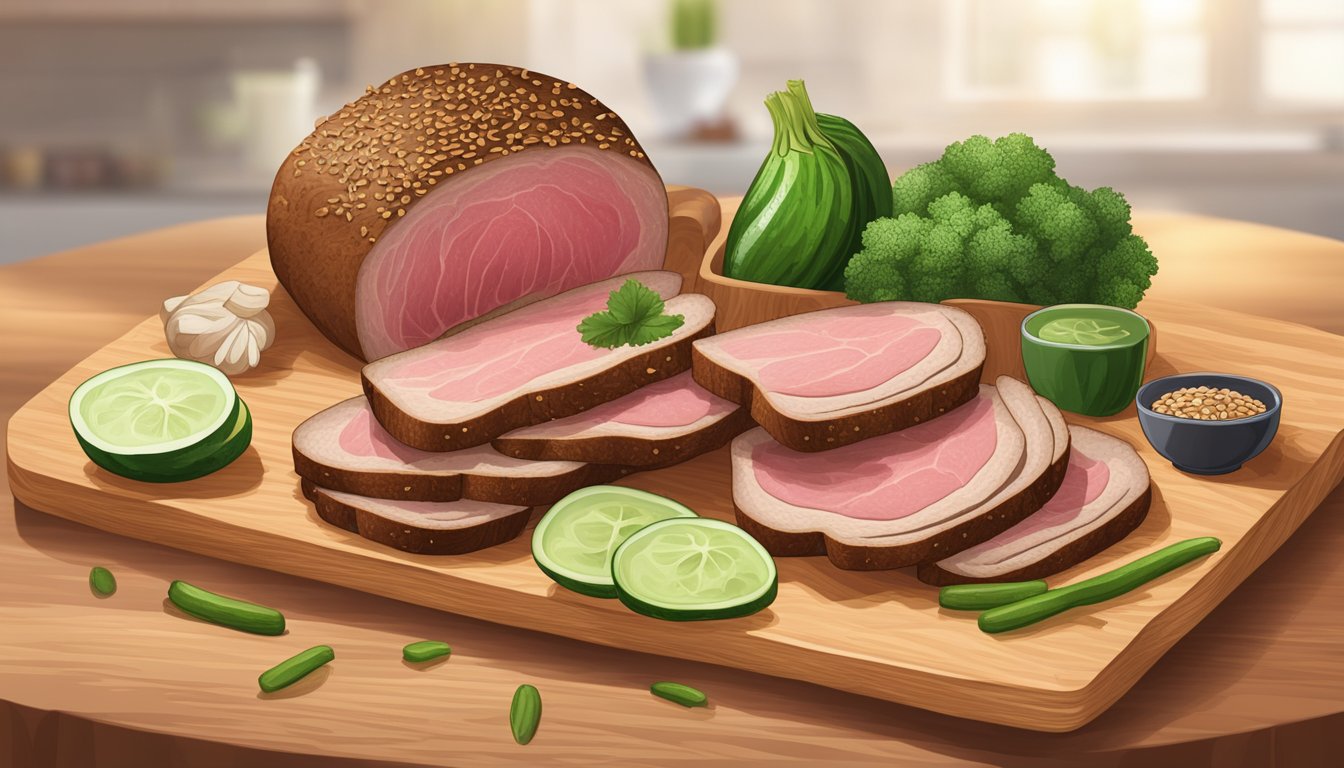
point(634, 317)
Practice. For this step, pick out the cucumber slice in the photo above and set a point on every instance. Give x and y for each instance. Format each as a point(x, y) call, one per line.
point(160, 420)
point(574, 541)
point(687, 570)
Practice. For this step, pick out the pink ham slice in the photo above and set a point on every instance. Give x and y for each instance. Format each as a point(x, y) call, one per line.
point(420, 527)
point(1105, 495)
point(525, 367)
point(506, 234)
point(343, 448)
point(820, 380)
point(664, 423)
point(896, 499)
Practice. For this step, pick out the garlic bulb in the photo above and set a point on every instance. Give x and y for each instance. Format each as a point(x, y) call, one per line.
point(225, 325)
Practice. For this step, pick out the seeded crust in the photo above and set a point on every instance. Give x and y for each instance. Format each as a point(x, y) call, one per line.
point(365, 166)
point(1111, 532)
point(632, 451)
point(825, 434)
point(535, 407)
point(414, 486)
point(406, 537)
point(859, 558)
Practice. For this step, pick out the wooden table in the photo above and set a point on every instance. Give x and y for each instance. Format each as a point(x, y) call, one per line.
point(89, 682)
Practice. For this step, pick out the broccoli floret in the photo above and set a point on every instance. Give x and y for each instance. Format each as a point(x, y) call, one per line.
point(992, 219)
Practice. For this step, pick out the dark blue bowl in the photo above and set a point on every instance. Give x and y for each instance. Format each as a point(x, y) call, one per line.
point(1209, 447)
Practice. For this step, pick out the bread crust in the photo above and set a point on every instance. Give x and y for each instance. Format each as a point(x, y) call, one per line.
point(967, 534)
point(627, 450)
point(410, 538)
point(1109, 533)
point(398, 141)
point(536, 406)
point(825, 434)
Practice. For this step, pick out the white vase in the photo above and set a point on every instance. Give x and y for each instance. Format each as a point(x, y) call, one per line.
point(690, 88)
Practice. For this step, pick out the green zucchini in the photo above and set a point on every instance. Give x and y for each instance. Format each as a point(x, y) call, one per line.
point(794, 224)
point(295, 668)
point(1098, 588)
point(978, 597)
point(226, 611)
point(867, 174)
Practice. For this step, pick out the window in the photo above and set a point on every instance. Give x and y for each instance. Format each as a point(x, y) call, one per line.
point(1302, 52)
point(1077, 50)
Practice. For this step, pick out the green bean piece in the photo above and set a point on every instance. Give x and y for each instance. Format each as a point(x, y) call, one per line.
point(684, 695)
point(978, 597)
point(425, 650)
point(295, 668)
point(102, 582)
point(525, 713)
point(1098, 588)
point(226, 611)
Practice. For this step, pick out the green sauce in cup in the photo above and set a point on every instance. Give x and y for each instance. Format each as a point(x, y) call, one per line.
point(1085, 358)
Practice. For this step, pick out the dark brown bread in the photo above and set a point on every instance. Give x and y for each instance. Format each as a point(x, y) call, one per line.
point(859, 558)
point(410, 538)
point(364, 167)
point(1073, 553)
point(537, 406)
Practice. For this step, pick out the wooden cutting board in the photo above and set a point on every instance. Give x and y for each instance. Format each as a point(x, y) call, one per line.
point(877, 634)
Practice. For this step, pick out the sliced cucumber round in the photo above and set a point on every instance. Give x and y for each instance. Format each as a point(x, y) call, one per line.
point(687, 570)
point(574, 541)
point(161, 421)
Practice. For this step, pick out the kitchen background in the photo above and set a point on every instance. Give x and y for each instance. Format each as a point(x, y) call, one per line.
point(126, 115)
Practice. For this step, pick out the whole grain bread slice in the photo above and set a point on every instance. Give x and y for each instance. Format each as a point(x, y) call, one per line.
point(803, 420)
point(343, 448)
point(1034, 549)
point(655, 426)
point(420, 527)
point(1034, 469)
point(442, 397)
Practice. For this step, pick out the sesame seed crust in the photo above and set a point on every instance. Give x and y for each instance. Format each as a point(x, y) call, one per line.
point(383, 151)
point(365, 166)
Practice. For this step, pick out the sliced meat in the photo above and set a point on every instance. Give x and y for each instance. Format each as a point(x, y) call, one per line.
point(1105, 495)
point(343, 448)
point(821, 380)
point(1034, 481)
point(525, 367)
point(903, 497)
point(421, 527)
point(664, 423)
point(390, 225)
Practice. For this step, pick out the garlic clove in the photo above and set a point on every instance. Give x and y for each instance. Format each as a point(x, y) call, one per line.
point(247, 300)
point(170, 306)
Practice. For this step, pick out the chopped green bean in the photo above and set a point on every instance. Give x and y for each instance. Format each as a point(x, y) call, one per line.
point(102, 582)
point(425, 650)
point(295, 668)
point(684, 695)
point(525, 713)
point(978, 597)
point(226, 611)
point(1098, 588)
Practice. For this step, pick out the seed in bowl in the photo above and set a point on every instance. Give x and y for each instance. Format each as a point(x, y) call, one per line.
point(1208, 404)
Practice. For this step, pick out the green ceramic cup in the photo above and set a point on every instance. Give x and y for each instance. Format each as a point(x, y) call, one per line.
point(1085, 358)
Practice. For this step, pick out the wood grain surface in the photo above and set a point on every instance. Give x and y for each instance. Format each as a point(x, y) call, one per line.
point(878, 634)
point(1257, 683)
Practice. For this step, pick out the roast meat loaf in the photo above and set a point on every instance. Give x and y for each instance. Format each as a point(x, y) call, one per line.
point(455, 191)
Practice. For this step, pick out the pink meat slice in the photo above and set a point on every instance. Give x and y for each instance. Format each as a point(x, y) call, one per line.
point(835, 355)
point(1084, 480)
point(510, 351)
point(887, 477)
point(673, 402)
point(531, 227)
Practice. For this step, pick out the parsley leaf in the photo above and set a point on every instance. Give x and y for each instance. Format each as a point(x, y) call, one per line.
point(634, 316)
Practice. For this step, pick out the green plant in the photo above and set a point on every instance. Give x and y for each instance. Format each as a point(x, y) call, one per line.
point(992, 220)
point(694, 24)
